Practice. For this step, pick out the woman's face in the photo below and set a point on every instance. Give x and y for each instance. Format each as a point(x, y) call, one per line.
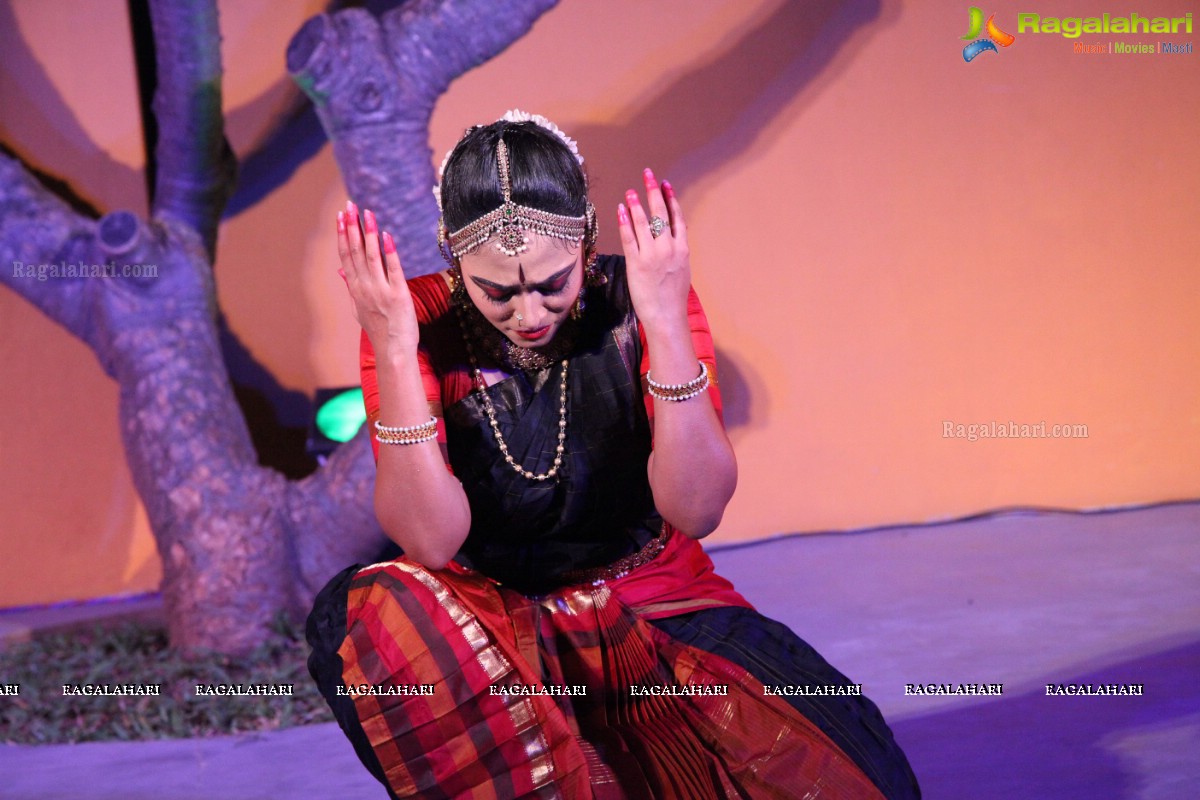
point(527, 297)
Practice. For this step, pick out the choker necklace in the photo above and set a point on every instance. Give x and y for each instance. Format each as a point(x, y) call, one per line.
point(490, 410)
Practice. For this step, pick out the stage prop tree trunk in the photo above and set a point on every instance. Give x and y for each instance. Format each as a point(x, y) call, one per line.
point(240, 542)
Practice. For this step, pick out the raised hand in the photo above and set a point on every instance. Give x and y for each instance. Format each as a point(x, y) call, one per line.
point(656, 253)
point(378, 292)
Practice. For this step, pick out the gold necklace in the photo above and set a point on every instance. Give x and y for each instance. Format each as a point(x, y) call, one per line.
point(490, 410)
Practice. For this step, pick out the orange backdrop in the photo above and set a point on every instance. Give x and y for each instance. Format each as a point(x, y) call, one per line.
point(886, 238)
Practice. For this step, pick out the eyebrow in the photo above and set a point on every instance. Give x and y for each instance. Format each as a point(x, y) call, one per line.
point(501, 288)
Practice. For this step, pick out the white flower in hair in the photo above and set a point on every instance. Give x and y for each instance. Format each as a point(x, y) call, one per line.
point(517, 115)
point(441, 173)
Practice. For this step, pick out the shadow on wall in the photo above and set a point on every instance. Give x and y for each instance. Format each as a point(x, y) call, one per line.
point(1068, 748)
point(739, 390)
point(715, 112)
point(59, 129)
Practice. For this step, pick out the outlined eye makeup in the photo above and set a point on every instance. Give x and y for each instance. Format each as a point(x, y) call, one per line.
point(500, 295)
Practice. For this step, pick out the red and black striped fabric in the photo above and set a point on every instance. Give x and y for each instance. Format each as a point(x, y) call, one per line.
point(481, 731)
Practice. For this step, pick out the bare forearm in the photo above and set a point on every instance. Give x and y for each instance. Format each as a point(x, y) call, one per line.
point(419, 503)
point(692, 471)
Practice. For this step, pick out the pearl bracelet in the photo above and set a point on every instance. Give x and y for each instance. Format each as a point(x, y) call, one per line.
point(678, 392)
point(407, 434)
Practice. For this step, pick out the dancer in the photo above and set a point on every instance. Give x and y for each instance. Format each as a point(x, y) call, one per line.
point(547, 429)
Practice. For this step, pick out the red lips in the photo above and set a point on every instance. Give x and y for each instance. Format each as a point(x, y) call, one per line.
point(534, 335)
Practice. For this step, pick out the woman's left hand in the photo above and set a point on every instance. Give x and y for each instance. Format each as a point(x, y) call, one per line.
point(657, 264)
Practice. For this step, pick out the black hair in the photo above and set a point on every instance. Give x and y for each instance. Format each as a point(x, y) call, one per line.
point(545, 174)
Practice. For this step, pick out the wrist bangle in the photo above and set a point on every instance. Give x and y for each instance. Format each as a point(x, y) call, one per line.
point(678, 392)
point(424, 426)
point(407, 434)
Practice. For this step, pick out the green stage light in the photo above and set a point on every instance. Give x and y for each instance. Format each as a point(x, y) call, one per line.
point(341, 414)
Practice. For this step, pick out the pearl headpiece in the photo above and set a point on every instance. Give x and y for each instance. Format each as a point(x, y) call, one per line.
point(510, 221)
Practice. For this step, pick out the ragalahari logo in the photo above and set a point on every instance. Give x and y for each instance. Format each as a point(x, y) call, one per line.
point(995, 35)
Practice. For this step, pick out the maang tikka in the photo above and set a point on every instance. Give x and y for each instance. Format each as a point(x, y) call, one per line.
point(510, 222)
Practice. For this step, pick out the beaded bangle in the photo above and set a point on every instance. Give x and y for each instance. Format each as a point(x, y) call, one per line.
point(407, 434)
point(422, 428)
point(678, 392)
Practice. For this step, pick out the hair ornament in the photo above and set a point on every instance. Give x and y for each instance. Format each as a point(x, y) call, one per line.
point(511, 221)
point(517, 115)
point(512, 115)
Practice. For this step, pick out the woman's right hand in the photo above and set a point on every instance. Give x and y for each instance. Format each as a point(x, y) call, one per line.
point(418, 502)
point(375, 280)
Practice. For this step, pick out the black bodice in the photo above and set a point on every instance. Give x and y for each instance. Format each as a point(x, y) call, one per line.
point(527, 534)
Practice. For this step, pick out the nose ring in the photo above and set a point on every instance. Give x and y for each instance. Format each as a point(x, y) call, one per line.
point(520, 318)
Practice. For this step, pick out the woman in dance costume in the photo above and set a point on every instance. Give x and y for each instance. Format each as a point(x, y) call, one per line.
point(547, 430)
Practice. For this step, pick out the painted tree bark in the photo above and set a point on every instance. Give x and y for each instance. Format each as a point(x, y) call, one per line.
point(374, 83)
point(240, 542)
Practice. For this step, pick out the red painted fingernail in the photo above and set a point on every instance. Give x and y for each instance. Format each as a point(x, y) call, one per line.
point(341, 222)
point(631, 197)
point(350, 209)
point(648, 174)
point(369, 221)
point(622, 214)
point(668, 188)
point(389, 246)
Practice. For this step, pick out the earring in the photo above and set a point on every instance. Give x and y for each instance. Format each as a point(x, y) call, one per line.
point(458, 290)
point(443, 243)
point(591, 275)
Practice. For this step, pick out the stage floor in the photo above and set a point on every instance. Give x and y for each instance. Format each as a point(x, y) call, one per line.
point(1022, 599)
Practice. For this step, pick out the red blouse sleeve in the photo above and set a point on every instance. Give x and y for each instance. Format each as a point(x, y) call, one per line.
point(705, 351)
point(428, 301)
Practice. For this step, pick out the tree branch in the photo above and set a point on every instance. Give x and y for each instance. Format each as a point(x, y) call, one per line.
point(375, 89)
point(332, 516)
point(37, 228)
point(196, 167)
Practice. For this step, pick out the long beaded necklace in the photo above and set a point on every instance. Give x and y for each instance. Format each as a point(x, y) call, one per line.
point(490, 410)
